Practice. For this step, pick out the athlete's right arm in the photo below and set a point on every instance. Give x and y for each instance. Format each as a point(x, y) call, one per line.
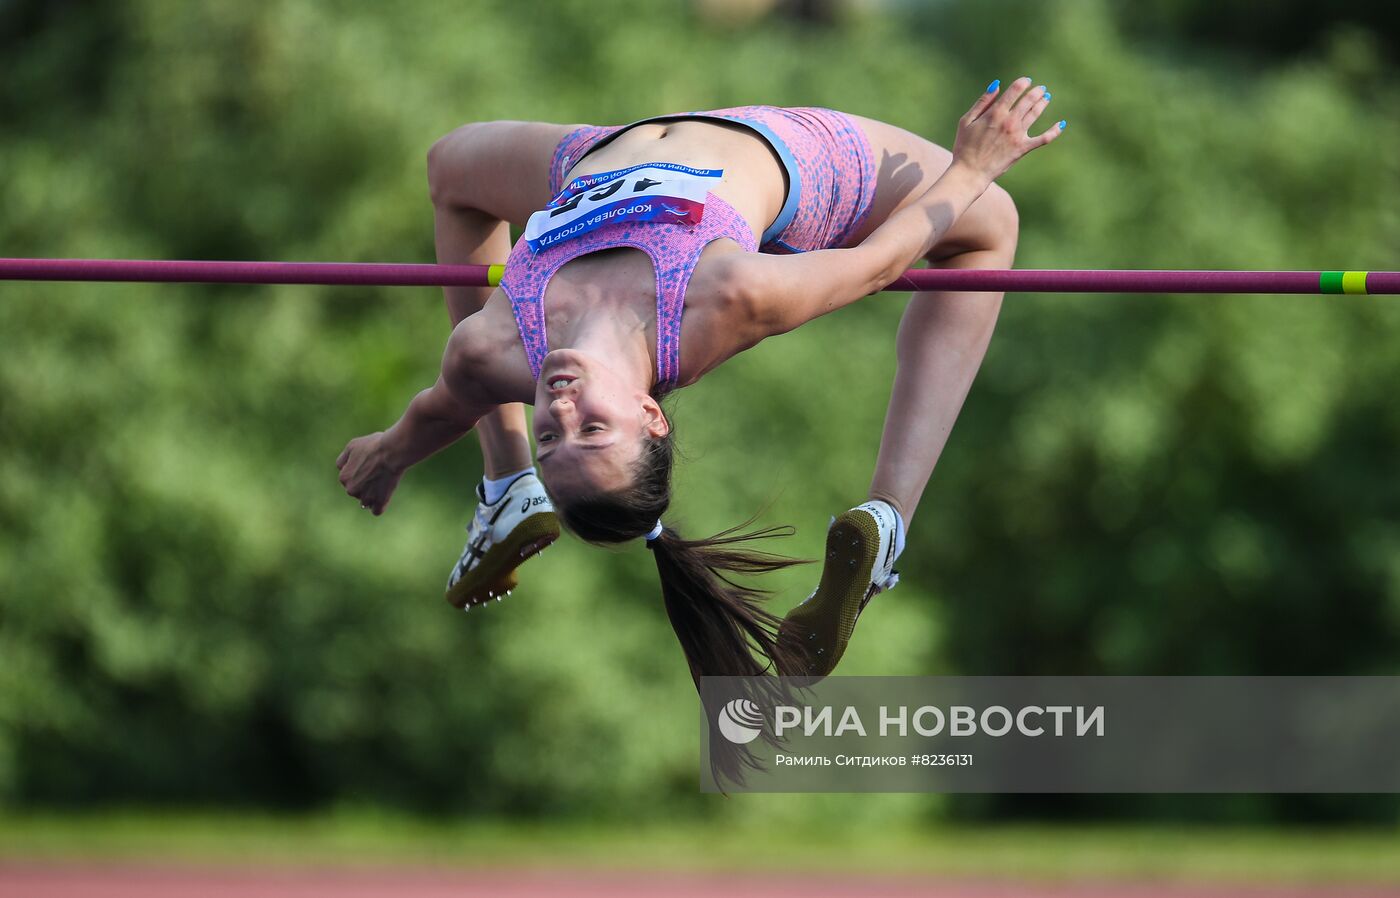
point(784, 292)
point(779, 293)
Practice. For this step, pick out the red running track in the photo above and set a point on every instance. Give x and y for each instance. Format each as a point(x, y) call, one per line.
point(127, 881)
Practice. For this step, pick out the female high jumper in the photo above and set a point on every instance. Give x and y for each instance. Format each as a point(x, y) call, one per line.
point(740, 224)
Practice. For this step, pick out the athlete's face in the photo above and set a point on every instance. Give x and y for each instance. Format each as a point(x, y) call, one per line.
point(590, 424)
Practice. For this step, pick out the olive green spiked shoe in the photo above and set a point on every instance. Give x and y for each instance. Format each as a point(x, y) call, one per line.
point(859, 565)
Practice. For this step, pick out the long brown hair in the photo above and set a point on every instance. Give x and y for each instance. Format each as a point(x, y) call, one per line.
point(721, 625)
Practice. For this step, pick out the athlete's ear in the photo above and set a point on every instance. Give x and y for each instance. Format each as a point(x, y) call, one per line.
point(654, 418)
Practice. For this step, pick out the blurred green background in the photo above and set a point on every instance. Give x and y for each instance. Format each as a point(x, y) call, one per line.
point(193, 615)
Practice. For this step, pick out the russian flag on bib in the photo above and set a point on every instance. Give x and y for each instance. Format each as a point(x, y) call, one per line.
point(651, 191)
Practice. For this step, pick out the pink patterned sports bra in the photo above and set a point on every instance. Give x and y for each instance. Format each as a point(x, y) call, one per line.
point(674, 250)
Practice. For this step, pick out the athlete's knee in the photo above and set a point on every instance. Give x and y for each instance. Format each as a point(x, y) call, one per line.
point(466, 355)
point(450, 163)
point(1002, 218)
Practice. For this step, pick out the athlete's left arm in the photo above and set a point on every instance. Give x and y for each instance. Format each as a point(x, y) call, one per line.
point(371, 466)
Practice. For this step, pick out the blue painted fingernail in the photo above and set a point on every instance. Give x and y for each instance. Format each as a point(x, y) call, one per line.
point(994, 85)
point(1063, 124)
point(1047, 95)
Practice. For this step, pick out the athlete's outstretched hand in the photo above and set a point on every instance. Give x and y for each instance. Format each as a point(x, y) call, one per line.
point(366, 473)
point(995, 131)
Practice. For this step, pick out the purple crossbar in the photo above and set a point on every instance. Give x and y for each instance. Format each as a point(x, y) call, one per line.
point(408, 275)
point(1130, 281)
point(365, 274)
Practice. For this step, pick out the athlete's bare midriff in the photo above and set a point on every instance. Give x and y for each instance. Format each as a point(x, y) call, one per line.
point(753, 183)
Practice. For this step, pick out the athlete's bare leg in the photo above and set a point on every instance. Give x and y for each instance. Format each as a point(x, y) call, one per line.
point(943, 335)
point(942, 339)
point(483, 177)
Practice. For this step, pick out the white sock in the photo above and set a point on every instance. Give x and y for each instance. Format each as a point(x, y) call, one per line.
point(898, 528)
point(898, 534)
point(898, 525)
point(495, 489)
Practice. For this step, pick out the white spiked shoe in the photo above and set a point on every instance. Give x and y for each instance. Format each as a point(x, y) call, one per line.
point(501, 536)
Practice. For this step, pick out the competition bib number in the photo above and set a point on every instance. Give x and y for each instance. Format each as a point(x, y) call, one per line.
point(652, 191)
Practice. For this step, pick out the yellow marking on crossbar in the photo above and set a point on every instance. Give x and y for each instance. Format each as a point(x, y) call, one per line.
point(1354, 281)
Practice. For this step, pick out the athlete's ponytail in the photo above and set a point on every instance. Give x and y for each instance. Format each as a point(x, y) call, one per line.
point(719, 622)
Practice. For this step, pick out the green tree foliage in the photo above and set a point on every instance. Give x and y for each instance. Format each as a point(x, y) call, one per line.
point(191, 611)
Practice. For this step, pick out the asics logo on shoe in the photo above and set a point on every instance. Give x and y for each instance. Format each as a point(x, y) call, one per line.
point(532, 501)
